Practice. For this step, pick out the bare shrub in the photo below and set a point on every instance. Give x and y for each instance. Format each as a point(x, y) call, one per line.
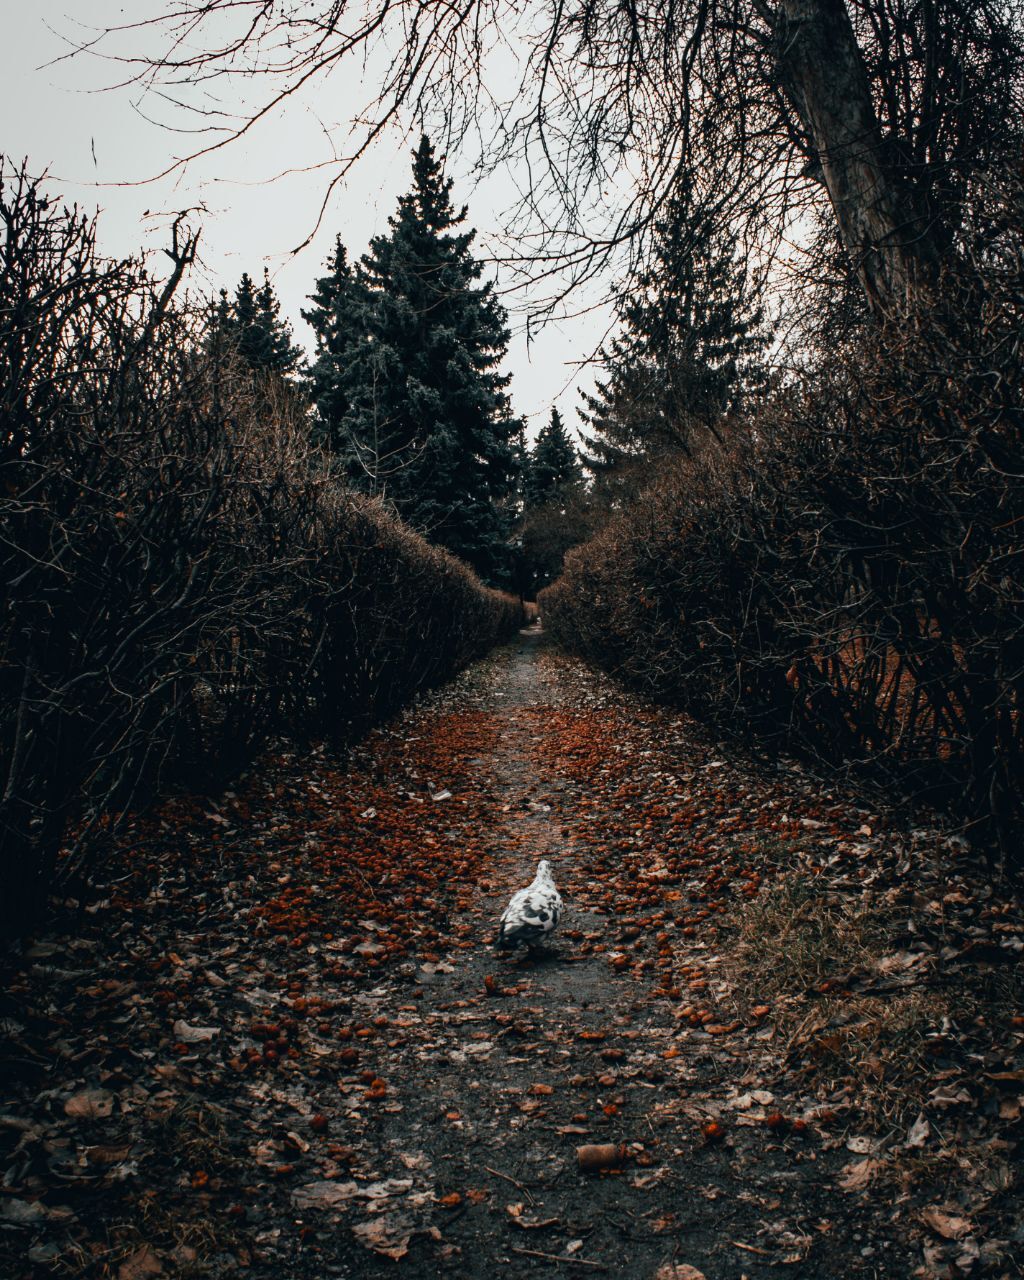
point(848, 576)
point(182, 576)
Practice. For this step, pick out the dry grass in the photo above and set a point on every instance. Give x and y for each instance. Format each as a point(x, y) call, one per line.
point(812, 951)
point(797, 934)
point(800, 943)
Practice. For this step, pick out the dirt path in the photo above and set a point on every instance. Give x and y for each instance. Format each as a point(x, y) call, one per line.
point(284, 1046)
point(572, 1049)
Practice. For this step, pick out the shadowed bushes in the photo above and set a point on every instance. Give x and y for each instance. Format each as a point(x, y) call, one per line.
point(847, 578)
point(182, 577)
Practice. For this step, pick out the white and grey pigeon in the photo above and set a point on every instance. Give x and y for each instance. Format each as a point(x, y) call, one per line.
point(533, 912)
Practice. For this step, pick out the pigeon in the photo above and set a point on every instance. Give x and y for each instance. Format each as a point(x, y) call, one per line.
point(533, 912)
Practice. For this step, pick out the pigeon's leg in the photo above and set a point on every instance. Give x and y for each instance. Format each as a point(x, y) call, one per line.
point(542, 951)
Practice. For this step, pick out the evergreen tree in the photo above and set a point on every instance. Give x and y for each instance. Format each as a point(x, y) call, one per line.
point(554, 465)
point(690, 348)
point(252, 322)
point(337, 317)
point(521, 453)
point(425, 416)
point(556, 513)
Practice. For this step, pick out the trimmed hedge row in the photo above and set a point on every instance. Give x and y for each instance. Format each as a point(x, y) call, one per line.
point(183, 577)
point(848, 578)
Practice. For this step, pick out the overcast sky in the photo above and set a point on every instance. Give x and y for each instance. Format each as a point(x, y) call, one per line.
point(99, 147)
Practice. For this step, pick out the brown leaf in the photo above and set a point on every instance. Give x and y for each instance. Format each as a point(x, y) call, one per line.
point(112, 1154)
point(919, 1131)
point(857, 1176)
point(324, 1195)
point(950, 1226)
point(388, 1235)
point(604, 1155)
point(90, 1104)
point(140, 1265)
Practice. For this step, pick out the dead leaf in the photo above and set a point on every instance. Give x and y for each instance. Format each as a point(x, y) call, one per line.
point(857, 1176)
point(388, 1236)
point(22, 1212)
point(950, 1226)
point(516, 1213)
point(90, 1104)
point(324, 1195)
point(139, 1265)
point(193, 1035)
point(918, 1133)
point(112, 1154)
point(678, 1271)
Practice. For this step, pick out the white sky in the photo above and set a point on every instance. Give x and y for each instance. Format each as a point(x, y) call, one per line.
point(94, 140)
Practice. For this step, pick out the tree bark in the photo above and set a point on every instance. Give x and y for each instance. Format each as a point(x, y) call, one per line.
point(891, 245)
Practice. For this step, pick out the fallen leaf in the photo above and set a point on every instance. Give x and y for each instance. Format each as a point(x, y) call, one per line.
point(140, 1264)
point(918, 1133)
point(388, 1236)
point(950, 1226)
point(90, 1104)
point(112, 1154)
point(324, 1195)
point(857, 1176)
point(193, 1035)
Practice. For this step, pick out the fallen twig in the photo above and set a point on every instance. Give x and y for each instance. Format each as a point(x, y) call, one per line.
point(558, 1257)
point(508, 1178)
point(750, 1248)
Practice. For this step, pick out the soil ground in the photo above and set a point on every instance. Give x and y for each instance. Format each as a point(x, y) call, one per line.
point(284, 1045)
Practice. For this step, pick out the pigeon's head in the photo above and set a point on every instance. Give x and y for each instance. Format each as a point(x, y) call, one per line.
point(544, 867)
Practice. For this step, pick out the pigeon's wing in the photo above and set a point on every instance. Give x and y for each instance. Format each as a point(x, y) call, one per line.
point(515, 907)
point(531, 914)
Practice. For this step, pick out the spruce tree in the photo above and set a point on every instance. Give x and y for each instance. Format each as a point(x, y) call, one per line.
point(690, 348)
point(556, 513)
point(251, 322)
point(337, 316)
point(425, 419)
point(554, 466)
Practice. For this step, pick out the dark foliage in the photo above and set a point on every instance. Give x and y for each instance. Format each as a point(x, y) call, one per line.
point(251, 323)
point(182, 577)
point(556, 512)
point(337, 302)
point(406, 381)
point(690, 348)
point(554, 471)
point(847, 579)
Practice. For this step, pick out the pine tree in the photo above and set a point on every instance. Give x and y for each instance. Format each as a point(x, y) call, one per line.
point(252, 322)
point(426, 420)
point(554, 466)
point(337, 317)
point(691, 347)
point(556, 513)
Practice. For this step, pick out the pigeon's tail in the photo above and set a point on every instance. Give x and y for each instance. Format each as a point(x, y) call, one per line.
point(509, 939)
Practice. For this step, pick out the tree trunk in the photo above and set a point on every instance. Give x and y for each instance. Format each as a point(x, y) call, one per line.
point(890, 244)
